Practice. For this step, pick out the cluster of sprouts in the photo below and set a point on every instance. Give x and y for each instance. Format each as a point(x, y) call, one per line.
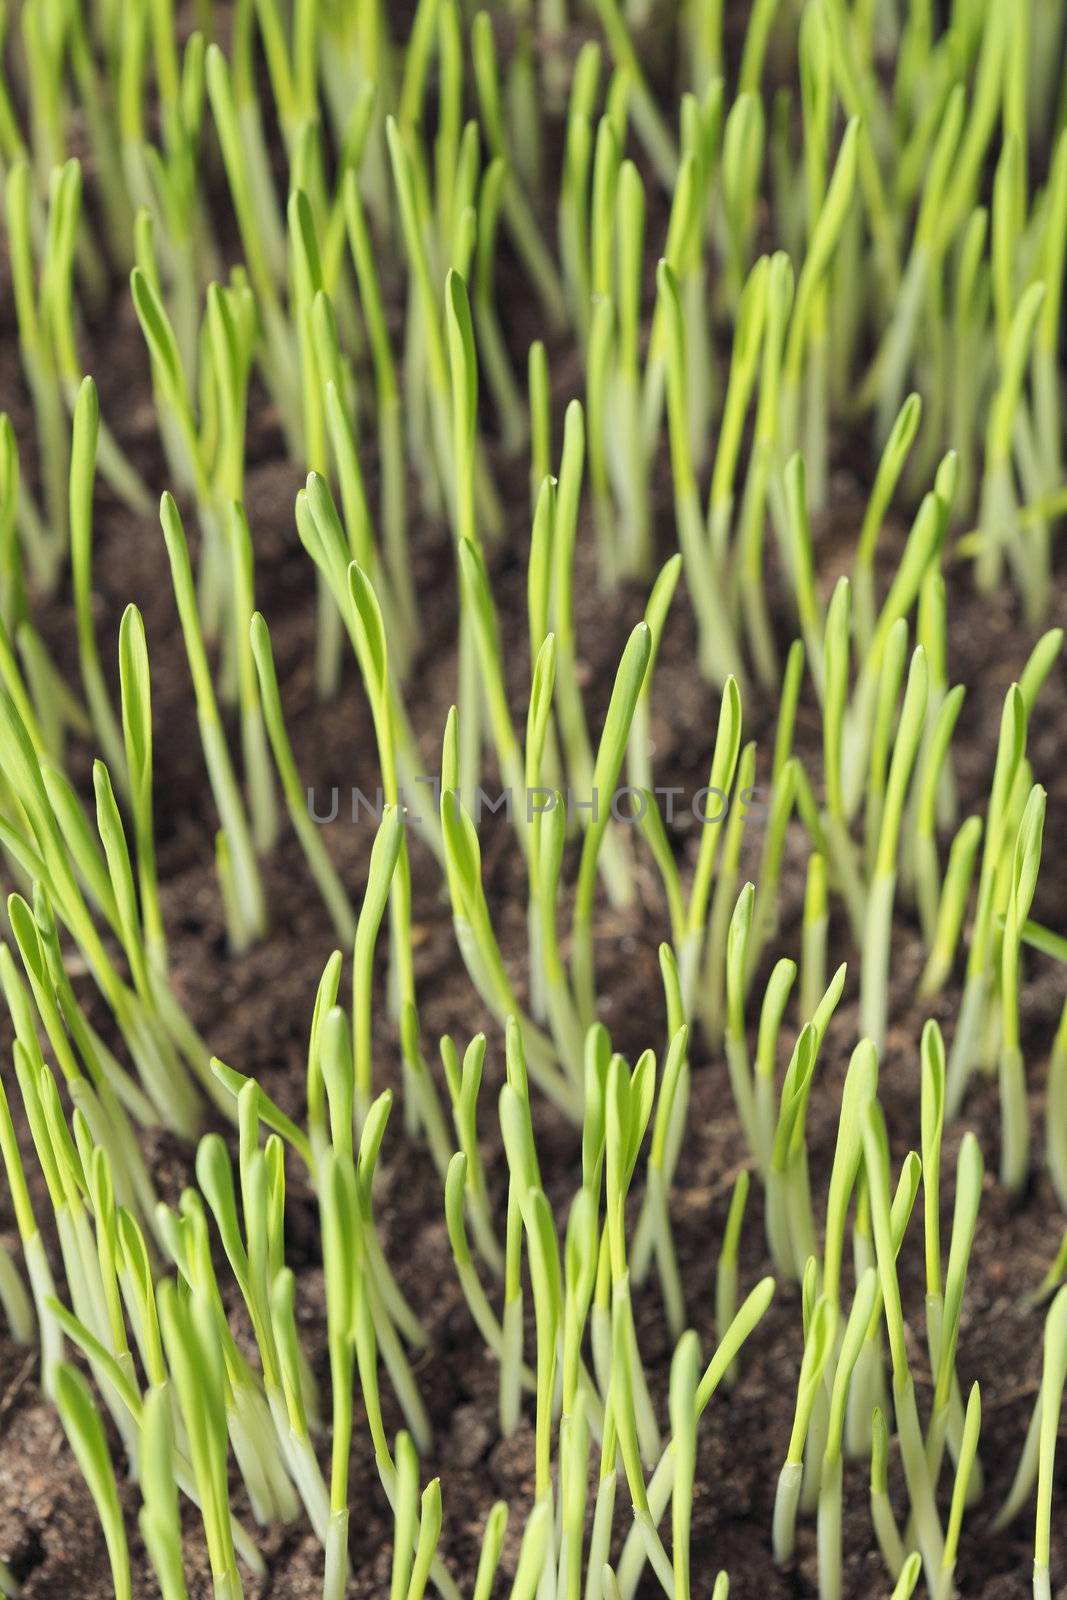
point(862, 222)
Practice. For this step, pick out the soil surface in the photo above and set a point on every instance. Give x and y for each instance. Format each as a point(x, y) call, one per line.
point(255, 1012)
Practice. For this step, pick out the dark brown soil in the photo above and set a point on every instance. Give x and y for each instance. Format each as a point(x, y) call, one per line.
point(255, 1011)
